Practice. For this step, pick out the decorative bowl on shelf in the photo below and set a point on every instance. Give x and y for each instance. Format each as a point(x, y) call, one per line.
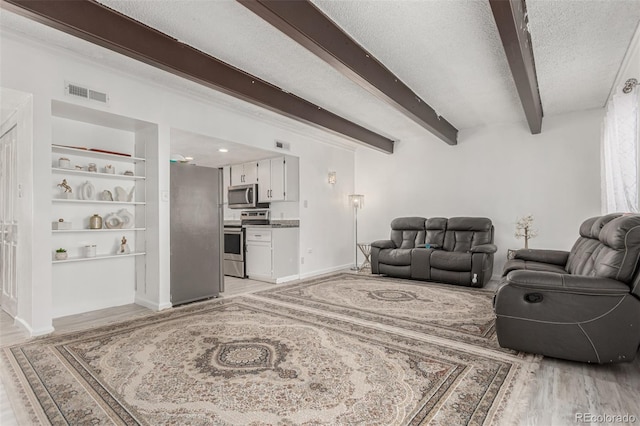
point(60, 224)
point(64, 163)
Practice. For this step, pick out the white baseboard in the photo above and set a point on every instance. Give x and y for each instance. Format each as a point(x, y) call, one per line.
point(154, 306)
point(33, 332)
point(325, 271)
point(286, 279)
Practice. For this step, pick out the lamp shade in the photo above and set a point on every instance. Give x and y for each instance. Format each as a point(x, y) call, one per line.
point(356, 201)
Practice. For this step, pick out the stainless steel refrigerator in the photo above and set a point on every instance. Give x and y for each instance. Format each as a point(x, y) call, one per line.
point(196, 233)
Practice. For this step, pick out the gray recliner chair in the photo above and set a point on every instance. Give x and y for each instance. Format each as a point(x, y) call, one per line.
point(582, 305)
point(393, 256)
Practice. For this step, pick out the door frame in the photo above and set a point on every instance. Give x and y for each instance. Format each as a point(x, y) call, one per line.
point(10, 271)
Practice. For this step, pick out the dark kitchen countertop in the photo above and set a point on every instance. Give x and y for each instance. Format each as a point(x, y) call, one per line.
point(282, 223)
point(273, 225)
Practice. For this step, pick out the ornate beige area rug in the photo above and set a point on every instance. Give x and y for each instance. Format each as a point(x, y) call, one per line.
point(458, 313)
point(247, 361)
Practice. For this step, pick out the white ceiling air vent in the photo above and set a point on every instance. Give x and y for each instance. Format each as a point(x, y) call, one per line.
point(283, 145)
point(76, 90)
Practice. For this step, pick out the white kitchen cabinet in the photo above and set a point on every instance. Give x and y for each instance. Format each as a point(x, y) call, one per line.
point(272, 254)
point(258, 260)
point(264, 179)
point(244, 174)
point(278, 179)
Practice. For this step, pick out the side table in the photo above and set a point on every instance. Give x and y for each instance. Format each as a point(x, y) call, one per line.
point(365, 248)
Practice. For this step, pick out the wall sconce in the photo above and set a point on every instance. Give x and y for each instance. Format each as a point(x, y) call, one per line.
point(332, 178)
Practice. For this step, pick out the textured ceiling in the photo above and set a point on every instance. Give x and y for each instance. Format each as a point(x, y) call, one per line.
point(579, 46)
point(448, 51)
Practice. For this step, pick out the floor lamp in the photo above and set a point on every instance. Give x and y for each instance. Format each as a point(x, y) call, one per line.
point(357, 201)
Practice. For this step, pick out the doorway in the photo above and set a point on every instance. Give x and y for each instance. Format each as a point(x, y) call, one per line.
point(8, 217)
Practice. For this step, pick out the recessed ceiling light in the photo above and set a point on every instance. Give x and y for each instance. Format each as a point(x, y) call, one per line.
point(177, 158)
point(223, 150)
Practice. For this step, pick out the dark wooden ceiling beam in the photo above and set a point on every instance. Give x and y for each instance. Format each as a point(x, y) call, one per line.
point(307, 25)
point(103, 26)
point(511, 19)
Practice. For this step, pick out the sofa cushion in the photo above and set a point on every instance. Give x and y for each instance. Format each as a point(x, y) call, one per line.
point(464, 232)
point(451, 261)
point(407, 232)
point(581, 257)
point(620, 251)
point(397, 257)
point(587, 226)
point(600, 222)
point(436, 227)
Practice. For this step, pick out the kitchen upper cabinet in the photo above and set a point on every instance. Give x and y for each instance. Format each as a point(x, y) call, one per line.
point(278, 179)
point(244, 174)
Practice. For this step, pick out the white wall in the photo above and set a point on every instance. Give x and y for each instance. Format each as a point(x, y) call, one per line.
point(501, 172)
point(325, 224)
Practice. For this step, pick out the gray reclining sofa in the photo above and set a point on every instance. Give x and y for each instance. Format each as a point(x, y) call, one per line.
point(460, 250)
point(582, 305)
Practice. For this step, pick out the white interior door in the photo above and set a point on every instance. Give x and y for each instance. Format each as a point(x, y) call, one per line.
point(8, 221)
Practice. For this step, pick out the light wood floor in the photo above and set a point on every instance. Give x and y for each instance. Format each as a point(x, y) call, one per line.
point(560, 390)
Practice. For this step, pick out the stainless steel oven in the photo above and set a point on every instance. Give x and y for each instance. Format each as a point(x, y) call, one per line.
point(234, 251)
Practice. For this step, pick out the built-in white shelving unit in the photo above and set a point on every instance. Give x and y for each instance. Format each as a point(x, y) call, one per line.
point(80, 137)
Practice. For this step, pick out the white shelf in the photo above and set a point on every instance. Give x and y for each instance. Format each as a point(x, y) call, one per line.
point(95, 154)
point(60, 231)
point(64, 200)
point(95, 174)
point(107, 256)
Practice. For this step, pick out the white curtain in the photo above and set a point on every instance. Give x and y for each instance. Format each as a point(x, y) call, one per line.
point(620, 153)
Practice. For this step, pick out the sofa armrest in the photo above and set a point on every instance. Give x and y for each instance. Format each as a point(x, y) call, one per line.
point(555, 257)
point(566, 283)
point(383, 244)
point(484, 248)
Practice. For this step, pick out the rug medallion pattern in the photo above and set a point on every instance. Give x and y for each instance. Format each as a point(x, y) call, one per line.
point(244, 361)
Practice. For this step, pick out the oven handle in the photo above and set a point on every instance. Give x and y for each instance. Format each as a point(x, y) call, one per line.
point(233, 231)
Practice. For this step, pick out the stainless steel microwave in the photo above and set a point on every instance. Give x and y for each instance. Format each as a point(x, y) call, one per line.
point(244, 197)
